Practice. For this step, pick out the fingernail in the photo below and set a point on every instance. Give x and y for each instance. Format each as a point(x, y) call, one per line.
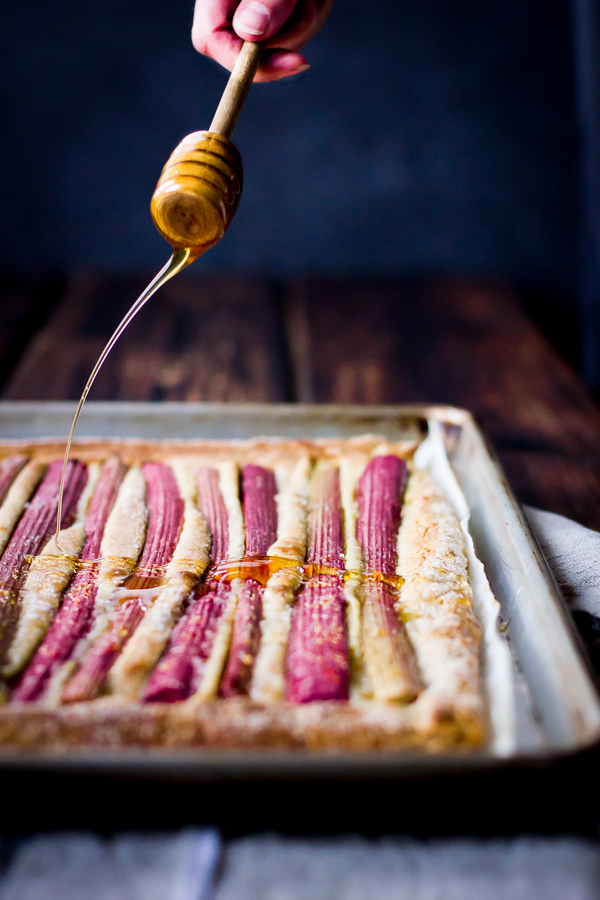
point(253, 18)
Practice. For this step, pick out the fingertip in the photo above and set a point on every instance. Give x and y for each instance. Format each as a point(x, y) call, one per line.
point(283, 62)
point(252, 20)
point(259, 20)
point(287, 59)
point(198, 40)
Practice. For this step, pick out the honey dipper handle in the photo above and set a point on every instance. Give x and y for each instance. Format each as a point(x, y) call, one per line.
point(237, 89)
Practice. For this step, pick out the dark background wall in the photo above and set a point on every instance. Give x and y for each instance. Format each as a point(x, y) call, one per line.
point(426, 136)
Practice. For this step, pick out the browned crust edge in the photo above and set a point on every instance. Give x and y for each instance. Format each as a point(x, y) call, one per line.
point(234, 723)
point(268, 449)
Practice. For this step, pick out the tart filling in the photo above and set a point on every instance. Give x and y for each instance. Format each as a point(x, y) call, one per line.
point(260, 594)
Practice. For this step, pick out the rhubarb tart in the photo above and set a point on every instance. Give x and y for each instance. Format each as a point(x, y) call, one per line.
point(277, 595)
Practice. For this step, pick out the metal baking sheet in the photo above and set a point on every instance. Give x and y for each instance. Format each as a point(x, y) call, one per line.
point(556, 701)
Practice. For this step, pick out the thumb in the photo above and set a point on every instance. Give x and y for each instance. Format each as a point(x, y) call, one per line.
point(260, 19)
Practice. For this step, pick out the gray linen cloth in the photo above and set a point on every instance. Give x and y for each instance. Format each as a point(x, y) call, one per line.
point(573, 554)
point(352, 868)
point(182, 866)
point(83, 866)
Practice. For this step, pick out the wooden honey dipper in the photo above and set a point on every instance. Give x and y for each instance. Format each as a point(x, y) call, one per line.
point(201, 184)
point(194, 202)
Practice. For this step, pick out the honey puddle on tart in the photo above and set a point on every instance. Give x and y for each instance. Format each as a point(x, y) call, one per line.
point(260, 568)
point(179, 260)
point(255, 568)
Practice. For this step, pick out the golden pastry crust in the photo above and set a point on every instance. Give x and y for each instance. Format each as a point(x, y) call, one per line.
point(232, 723)
point(268, 452)
point(435, 602)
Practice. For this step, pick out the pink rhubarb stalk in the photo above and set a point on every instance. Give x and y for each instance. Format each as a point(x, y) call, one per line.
point(380, 491)
point(317, 655)
point(259, 490)
point(165, 520)
point(210, 501)
point(35, 527)
point(325, 528)
point(75, 614)
point(9, 469)
point(245, 640)
point(181, 668)
point(180, 672)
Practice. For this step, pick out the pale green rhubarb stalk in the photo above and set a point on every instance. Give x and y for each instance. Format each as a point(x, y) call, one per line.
point(317, 656)
point(350, 471)
point(389, 656)
point(165, 509)
point(32, 532)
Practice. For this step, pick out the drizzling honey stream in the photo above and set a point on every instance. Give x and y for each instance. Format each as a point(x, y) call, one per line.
point(195, 200)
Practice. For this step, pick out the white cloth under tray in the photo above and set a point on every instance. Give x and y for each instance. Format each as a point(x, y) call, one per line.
point(573, 553)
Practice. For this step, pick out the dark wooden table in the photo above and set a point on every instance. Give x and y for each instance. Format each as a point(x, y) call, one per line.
point(221, 337)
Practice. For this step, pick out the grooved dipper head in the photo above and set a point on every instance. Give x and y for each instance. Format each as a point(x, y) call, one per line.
point(198, 192)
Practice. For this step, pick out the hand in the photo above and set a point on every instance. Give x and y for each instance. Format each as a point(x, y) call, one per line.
point(220, 27)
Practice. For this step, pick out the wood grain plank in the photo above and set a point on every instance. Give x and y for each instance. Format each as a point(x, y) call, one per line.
point(210, 337)
point(462, 342)
point(444, 341)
